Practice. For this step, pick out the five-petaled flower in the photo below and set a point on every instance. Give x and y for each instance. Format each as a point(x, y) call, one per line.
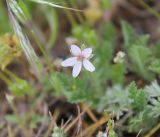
point(80, 58)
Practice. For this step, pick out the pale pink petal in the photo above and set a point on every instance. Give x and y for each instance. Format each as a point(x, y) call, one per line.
point(88, 65)
point(75, 50)
point(87, 52)
point(77, 68)
point(69, 62)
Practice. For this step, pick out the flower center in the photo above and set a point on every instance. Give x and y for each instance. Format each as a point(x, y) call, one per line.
point(79, 57)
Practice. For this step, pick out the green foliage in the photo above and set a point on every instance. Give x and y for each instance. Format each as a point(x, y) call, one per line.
point(105, 89)
point(155, 107)
point(85, 34)
point(131, 38)
point(104, 57)
point(115, 100)
point(111, 131)
point(74, 93)
point(145, 117)
point(109, 32)
point(4, 27)
point(138, 122)
point(58, 132)
point(137, 98)
point(139, 61)
point(12, 119)
point(118, 100)
point(35, 119)
point(112, 134)
point(57, 84)
point(24, 9)
point(117, 72)
point(52, 19)
point(128, 33)
point(156, 48)
point(152, 90)
point(155, 66)
point(82, 88)
point(107, 45)
point(20, 87)
point(139, 53)
point(107, 4)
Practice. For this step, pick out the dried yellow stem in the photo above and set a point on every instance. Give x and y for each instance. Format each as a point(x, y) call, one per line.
point(152, 131)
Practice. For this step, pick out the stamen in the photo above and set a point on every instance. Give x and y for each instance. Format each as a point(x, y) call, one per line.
point(79, 57)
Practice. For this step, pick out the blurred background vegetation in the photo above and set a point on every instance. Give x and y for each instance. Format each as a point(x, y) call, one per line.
point(40, 98)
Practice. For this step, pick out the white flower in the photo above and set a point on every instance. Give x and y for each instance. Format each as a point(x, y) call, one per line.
point(80, 58)
point(119, 57)
point(101, 134)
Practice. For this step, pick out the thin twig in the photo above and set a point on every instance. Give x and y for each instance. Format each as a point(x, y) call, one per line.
point(43, 124)
point(79, 125)
point(152, 131)
point(89, 131)
point(70, 118)
point(52, 124)
point(139, 133)
point(22, 126)
point(90, 113)
point(74, 122)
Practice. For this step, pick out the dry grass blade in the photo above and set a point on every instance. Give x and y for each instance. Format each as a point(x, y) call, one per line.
point(53, 5)
point(17, 10)
point(91, 129)
point(44, 122)
point(139, 133)
point(52, 124)
point(10, 133)
point(73, 122)
point(24, 41)
point(153, 131)
point(90, 113)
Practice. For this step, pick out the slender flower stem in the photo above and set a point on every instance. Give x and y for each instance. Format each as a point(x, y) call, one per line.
point(70, 17)
point(48, 62)
point(4, 78)
point(25, 132)
point(153, 130)
point(79, 15)
point(149, 9)
point(9, 73)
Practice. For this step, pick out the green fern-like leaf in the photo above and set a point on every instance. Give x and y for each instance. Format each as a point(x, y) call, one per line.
point(141, 121)
point(155, 66)
point(128, 33)
point(155, 107)
point(152, 90)
point(140, 62)
point(131, 38)
point(137, 97)
point(114, 101)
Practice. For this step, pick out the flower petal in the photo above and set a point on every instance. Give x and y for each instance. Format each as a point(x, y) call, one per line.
point(87, 52)
point(77, 68)
point(69, 62)
point(88, 65)
point(75, 50)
